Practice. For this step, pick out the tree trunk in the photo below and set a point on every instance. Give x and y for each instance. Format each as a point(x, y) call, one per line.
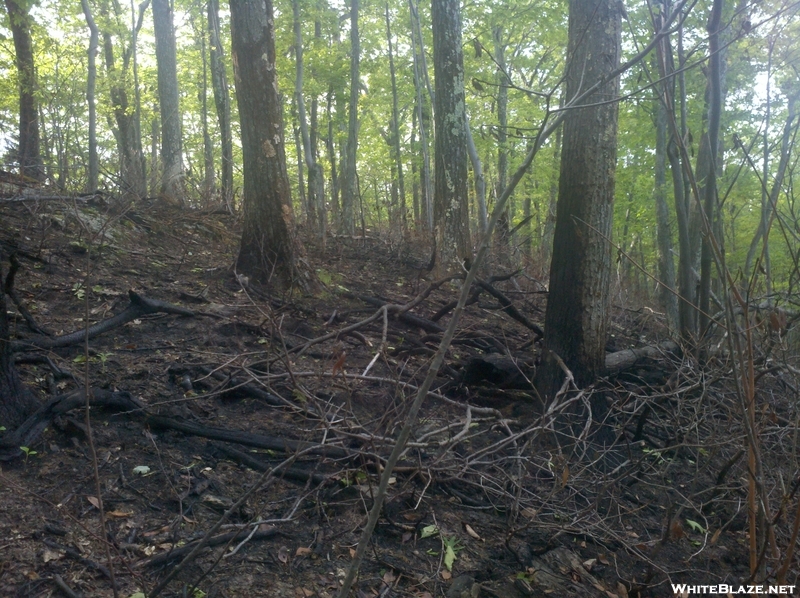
point(171, 143)
point(222, 101)
point(28, 150)
point(666, 264)
point(209, 176)
point(451, 207)
point(480, 180)
point(578, 302)
point(503, 236)
point(91, 83)
point(349, 170)
point(132, 166)
point(314, 197)
point(666, 66)
point(16, 401)
point(398, 159)
point(420, 72)
point(268, 252)
point(710, 199)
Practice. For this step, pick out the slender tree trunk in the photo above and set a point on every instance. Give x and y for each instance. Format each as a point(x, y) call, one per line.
point(298, 148)
point(666, 264)
point(209, 176)
point(451, 208)
point(137, 177)
point(777, 183)
point(480, 180)
point(28, 150)
point(550, 219)
point(710, 199)
point(268, 252)
point(503, 225)
point(171, 142)
point(686, 310)
point(91, 83)
point(331, 145)
point(425, 167)
point(414, 179)
point(313, 200)
point(578, 302)
point(319, 174)
point(398, 159)
point(222, 101)
point(349, 169)
point(155, 163)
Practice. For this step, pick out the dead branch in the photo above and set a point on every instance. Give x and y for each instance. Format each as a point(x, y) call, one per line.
point(139, 306)
point(273, 443)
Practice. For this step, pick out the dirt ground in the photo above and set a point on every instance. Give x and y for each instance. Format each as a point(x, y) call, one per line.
point(484, 502)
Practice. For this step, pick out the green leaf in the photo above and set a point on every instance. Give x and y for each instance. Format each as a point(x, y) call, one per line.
point(449, 557)
point(428, 531)
point(696, 526)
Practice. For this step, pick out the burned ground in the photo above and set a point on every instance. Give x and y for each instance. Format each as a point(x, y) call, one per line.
point(484, 502)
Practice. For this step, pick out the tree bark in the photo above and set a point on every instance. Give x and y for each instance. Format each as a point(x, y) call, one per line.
point(16, 401)
point(268, 252)
point(28, 149)
point(420, 72)
point(349, 183)
point(222, 101)
point(710, 199)
point(398, 159)
point(314, 197)
point(91, 83)
point(503, 236)
point(451, 206)
point(169, 107)
point(666, 264)
point(578, 303)
point(128, 122)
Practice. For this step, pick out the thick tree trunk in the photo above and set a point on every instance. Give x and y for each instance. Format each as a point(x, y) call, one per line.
point(451, 206)
point(349, 170)
point(169, 107)
point(578, 302)
point(16, 401)
point(28, 150)
point(268, 252)
point(222, 101)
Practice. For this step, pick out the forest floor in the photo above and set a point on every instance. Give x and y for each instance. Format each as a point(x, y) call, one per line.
point(494, 496)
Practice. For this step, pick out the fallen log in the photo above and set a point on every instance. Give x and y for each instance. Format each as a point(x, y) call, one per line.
point(627, 358)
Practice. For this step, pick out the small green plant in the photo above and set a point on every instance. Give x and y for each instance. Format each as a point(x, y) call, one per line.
point(451, 549)
point(78, 290)
point(28, 452)
point(103, 357)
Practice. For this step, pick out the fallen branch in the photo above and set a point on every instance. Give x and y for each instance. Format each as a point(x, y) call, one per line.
point(273, 443)
point(139, 306)
point(29, 431)
point(177, 553)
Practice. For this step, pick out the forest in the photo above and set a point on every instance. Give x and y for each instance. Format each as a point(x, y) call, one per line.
point(311, 298)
